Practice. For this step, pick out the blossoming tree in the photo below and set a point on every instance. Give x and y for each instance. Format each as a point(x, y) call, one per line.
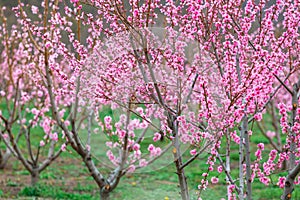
point(56, 69)
point(196, 72)
point(25, 107)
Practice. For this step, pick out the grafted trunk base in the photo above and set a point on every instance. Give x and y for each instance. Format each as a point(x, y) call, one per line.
point(104, 195)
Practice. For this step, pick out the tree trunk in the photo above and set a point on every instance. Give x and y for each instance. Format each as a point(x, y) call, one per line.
point(284, 165)
point(241, 172)
point(227, 162)
point(292, 167)
point(289, 183)
point(4, 158)
point(35, 176)
point(104, 195)
point(247, 157)
point(184, 192)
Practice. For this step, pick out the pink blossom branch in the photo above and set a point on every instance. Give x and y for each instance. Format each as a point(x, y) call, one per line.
point(228, 175)
point(263, 131)
point(152, 160)
point(252, 45)
point(270, 98)
point(191, 89)
point(196, 155)
point(276, 125)
point(29, 31)
point(124, 151)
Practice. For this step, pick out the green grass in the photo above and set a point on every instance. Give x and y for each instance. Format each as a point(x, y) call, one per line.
point(51, 192)
point(155, 182)
point(11, 183)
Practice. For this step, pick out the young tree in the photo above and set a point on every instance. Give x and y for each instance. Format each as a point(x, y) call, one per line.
point(25, 106)
point(5, 154)
point(58, 65)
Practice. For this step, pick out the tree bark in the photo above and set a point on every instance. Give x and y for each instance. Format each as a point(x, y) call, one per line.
point(4, 158)
point(247, 157)
point(241, 173)
point(184, 192)
point(104, 195)
point(293, 171)
point(227, 162)
point(289, 183)
point(35, 176)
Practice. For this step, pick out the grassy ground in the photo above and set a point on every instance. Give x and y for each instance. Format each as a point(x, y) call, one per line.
point(67, 178)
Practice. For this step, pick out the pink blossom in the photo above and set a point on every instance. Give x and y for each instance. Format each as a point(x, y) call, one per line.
point(67, 123)
point(48, 44)
point(122, 133)
point(220, 169)
point(264, 180)
point(5, 136)
point(136, 147)
point(151, 147)
point(54, 137)
point(109, 144)
point(258, 117)
point(34, 9)
point(156, 137)
point(261, 146)
point(131, 169)
point(181, 118)
point(157, 151)
point(107, 119)
point(110, 156)
point(42, 143)
point(258, 154)
point(143, 163)
point(154, 151)
point(281, 182)
point(203, 185)
point(270, 134)
point(140, 110)
point(96, 130)
point(205, 174)
point(214, 180)
point(193, 152)
point(63, 147)
point(137, 154)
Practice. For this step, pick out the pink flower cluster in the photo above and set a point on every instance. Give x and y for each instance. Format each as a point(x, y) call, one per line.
point(154, 151)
